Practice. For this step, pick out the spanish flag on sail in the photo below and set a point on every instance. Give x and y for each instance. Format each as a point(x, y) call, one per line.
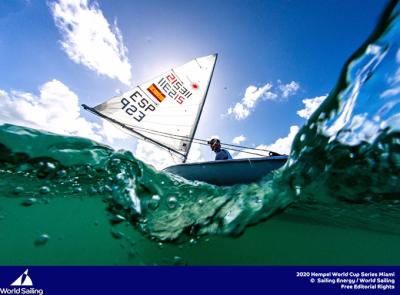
point(156, 92)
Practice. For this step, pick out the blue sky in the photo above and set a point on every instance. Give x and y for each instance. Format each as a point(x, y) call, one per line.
point(55, 55)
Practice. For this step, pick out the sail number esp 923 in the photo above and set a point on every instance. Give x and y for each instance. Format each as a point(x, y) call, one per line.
point(168, 86)
point(138, 107)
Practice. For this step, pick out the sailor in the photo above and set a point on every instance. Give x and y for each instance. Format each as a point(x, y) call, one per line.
point(220, 154)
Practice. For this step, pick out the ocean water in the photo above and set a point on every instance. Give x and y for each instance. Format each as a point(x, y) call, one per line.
point(71, 201)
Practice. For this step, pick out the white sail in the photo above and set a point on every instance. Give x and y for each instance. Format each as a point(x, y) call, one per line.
point(167, 108)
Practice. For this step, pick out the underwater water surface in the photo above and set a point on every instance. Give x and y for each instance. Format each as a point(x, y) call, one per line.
point(71, 201)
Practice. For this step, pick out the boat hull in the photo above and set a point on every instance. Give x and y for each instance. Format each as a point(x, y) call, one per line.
point(228, 172)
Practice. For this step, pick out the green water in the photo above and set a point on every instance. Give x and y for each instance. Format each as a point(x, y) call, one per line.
point(80, 234)
point(72, 201)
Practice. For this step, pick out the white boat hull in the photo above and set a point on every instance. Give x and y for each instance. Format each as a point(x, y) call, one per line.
point(228, 172)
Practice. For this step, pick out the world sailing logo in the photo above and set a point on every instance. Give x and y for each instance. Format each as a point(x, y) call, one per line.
point(22, 285)
point(23, 280)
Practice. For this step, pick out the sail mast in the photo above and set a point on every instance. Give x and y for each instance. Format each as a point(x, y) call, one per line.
point(199, 112)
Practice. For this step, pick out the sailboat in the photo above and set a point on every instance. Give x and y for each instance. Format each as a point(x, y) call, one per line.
point(166, 110)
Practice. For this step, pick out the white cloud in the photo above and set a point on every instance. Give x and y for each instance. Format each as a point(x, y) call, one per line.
point(161, 158)
point(154, 155)
point(253, 93)
point(242, 109)
point(281, 146)
point(55, 109)
point(239, 111)
point(249, 153)
point(288, 89)
point(311, 104)
point(111, 132)
point(195, 154)
point(238, 139)
point(89, 39)
point(270, 96)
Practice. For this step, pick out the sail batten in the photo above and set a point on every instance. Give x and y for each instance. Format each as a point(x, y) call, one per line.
point(171, 103)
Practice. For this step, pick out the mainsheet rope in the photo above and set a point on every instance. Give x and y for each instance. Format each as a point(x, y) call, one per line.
point(232, 147)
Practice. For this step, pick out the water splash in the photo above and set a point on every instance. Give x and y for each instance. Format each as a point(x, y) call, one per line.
point(353, 138)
